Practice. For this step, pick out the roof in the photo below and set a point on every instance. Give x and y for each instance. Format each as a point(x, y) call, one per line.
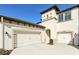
point(38, 22)
point(55, 7)
point(20, 20)
point(68, 8)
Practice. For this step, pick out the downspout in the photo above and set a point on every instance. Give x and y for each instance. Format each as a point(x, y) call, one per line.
point(2, 30)
point(78, 26)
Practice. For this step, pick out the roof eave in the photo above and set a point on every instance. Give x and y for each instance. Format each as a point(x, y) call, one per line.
point(55, 7)
point(15, 19)
point(68, 9)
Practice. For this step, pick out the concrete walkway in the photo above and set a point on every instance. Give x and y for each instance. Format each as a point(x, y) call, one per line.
point(44, 49)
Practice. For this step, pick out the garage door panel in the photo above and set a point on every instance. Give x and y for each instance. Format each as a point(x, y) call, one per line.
point(64, 38)
point(28, 38)
point(21, 39)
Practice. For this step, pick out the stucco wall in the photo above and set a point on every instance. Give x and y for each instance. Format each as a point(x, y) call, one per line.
point(51, 24)
point(1, 36)
point(8, 37)
point(51, 13)
point(9, 28)
point(69, 26)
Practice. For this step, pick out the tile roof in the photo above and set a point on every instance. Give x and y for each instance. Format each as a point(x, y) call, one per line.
point(19, 20)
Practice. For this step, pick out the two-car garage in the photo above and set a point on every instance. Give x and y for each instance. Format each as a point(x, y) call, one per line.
point(22, 38)
point(28, 38)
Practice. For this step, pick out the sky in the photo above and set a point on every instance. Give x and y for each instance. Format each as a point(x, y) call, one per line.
point(27, 12)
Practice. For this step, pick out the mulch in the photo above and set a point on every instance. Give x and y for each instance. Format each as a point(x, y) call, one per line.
point(5, 52)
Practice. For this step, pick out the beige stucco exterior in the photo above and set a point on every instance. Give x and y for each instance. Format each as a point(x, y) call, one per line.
point(9, 30)
point(56, 27)
point(69, 30)
point(1, 36)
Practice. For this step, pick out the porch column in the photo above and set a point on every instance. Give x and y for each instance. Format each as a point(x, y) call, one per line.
point(2, 22)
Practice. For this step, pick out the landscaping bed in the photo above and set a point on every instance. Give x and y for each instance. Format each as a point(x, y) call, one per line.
point(5, 52)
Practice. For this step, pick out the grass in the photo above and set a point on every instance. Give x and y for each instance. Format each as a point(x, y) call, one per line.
point(5, 52)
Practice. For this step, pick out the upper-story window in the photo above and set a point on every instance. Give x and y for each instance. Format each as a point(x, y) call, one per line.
point(60, 17)
point(50, 13)
point(47, 16)
point(44, 16)
point(68, 15)
point(65, 16)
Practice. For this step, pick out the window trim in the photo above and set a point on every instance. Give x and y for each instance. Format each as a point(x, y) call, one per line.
point(60, 16)
point(67, 15)
point(64, 16)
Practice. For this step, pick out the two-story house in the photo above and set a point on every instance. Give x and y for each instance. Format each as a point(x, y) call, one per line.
point(61, 26)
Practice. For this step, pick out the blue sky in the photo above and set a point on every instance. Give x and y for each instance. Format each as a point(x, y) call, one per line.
point(28, 12)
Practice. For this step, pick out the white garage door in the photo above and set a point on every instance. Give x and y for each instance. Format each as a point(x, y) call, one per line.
point(28, 38)
point(64, 38)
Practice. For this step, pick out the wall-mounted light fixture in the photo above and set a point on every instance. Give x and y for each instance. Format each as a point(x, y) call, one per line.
point(8, 34)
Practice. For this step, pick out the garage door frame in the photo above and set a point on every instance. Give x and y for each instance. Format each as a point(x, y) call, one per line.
point(66, 32)
point(22, 32)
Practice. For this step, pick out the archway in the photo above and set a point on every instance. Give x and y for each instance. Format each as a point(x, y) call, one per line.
point(48, 33)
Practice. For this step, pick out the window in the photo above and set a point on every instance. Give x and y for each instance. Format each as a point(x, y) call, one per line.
point(47, 16)
point(50, 13)
point(68, 15)
point(65, 16)
point(60, 17)
point(43, 15)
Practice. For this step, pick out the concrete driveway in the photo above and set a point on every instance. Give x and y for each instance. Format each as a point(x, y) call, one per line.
point(45, 49)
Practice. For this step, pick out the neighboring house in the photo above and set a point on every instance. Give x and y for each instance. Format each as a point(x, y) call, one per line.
point(61, 26)
point(16, 33)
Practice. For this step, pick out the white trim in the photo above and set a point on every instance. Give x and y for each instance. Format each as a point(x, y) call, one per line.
point(2, 20)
